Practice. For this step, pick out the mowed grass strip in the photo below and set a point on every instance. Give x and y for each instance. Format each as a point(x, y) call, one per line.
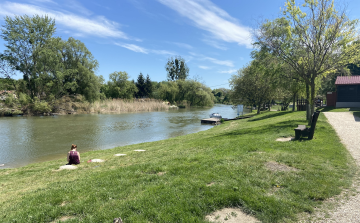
point(185, 178)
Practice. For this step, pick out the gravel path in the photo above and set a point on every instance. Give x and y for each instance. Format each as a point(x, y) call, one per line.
point(347, 127)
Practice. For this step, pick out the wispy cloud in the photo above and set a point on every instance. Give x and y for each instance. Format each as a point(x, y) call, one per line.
point(209, 17)
point(133, 47)
point(214, 44)
point(228, 63)
point(204, 67)
point(201, 57)
point(182, 45)
point(228, 71)
point(97, 26)
point(140, 49)
point(77, 6)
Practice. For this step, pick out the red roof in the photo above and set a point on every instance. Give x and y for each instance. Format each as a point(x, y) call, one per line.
point(347, 80)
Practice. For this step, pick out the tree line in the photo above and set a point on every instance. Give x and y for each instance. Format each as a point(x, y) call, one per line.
point(52, 68)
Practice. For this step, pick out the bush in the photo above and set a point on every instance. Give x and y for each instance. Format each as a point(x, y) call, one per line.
point(9, 101)
point(41, 107)
point(24, 99)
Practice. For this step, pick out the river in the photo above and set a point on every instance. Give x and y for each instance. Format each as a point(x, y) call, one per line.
point(25, 140)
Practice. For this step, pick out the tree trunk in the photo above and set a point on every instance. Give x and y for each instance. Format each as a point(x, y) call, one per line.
point(307, 105)
point(293, 108)
point(258, 108)
point(312, 99)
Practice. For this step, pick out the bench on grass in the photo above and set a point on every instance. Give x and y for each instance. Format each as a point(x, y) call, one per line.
point(302, 131)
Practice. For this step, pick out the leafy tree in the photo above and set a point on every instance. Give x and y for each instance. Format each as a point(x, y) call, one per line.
point(120, 86)
point(51, 67)
point(141, 86)
point(197, 94)
point(176, 69)
point(314, 42)
point(168, 91)
point(67, 67)
point(23, 37)
point(252, 86)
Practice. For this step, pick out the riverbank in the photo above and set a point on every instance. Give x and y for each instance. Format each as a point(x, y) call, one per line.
point(182, 179)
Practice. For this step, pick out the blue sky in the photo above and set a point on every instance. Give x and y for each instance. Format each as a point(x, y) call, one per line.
point(214, 37)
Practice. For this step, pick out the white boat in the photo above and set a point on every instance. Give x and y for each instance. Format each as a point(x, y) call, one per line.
point(215, 115)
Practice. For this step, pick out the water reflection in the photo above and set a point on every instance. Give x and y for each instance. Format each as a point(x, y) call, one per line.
point(26, 140)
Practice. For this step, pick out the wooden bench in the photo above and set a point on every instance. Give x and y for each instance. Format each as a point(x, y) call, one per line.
point(302, 131)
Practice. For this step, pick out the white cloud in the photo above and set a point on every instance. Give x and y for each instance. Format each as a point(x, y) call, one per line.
point(78, 7)
point(183, 45)
point(213, 19)
point(214, 44)
point(140, 49)
point(228, 71)
point(228, 63)
point(204, 67)
point(133, 47)
point(97, 26)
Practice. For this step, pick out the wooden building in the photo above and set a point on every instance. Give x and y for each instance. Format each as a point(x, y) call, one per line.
point(347, 91)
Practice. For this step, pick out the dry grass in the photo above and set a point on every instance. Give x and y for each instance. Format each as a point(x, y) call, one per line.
point(77, 105)
point(123, 106)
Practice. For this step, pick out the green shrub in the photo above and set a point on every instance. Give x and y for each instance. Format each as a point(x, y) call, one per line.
point(222, 120)
point(24, 99)
point(41, 107)
point(9, 101)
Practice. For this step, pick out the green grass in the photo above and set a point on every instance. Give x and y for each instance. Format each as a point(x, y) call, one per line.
point(231, 156)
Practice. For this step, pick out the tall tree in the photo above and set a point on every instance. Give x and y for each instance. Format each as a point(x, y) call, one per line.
point(176, 69)
point(148, 86)
point(24, 36)
point(252, 86)
point(140, 84)
point(314, 42)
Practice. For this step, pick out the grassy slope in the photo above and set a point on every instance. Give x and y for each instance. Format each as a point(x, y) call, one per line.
point(232, 156)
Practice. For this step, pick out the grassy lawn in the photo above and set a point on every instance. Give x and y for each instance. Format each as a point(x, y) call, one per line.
point(170, 182)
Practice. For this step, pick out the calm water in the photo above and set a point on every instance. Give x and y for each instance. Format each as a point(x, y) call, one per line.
point(25, 140)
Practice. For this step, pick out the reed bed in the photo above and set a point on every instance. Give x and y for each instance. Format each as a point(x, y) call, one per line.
point(123, 105)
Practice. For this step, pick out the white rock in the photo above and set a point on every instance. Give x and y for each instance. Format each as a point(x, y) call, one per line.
point(97, 160)
point(68, 167)
point(119, 154)
point(140, 150)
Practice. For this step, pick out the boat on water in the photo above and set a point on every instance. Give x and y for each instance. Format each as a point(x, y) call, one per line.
point(215, 115)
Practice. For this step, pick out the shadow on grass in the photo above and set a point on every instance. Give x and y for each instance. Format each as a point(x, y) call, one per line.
point(270, 115)
point(276, 128)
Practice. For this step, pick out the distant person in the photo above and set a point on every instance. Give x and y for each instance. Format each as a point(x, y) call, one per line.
point(73, 156)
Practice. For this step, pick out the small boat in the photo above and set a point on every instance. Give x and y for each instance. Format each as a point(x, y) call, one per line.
point(215, 115)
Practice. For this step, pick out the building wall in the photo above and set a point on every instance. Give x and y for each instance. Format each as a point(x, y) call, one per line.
point(348, 93)
point(348, 104)
point(331, 99)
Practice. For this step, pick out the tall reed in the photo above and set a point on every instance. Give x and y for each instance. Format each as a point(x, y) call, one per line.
point(130, 105)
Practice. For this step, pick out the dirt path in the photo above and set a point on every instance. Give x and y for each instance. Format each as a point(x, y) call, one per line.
point(347, 127)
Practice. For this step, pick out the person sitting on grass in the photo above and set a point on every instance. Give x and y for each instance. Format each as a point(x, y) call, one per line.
point(73, 156)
